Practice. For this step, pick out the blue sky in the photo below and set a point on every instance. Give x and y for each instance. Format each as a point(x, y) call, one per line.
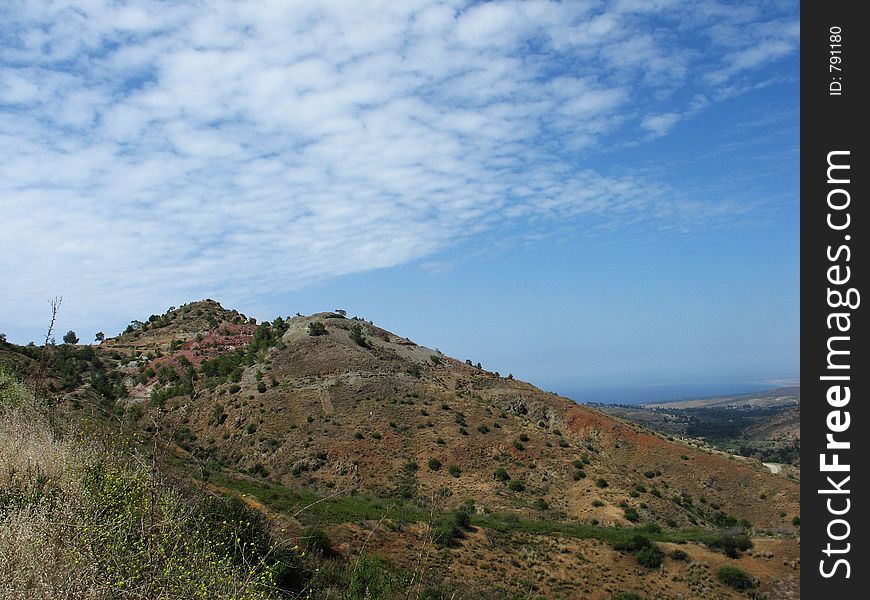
point(589, 195)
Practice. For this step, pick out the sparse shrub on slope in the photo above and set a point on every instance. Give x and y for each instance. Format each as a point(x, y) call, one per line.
point(735, 577)
point(649, 557)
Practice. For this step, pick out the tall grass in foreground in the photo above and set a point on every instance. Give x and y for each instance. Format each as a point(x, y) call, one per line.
point(85, 522)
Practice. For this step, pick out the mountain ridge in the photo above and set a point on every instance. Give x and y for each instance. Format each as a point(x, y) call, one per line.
point(339, 407)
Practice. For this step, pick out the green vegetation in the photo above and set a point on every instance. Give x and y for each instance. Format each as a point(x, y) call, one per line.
point(451, 527)
point(515, 485)
point(677, 554)
point(731, 543)
point(735, 577)
point(434, 464)
point(97, 521)
point(631, 514)
point(316, 328)
point(649, 557)
point(501, 474)
point(357, 335)
point(454, 470)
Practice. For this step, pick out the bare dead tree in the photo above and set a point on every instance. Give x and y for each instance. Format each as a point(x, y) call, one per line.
point(55, 307)
point(54, 303)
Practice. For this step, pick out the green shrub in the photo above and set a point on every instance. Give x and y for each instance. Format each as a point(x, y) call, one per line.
point(731, 543)
point(796, 521)
point(524, 437)
point(678, 554)
point(483, 428)
point(235, 388)
point(579, 474)
point(434, 464)
point(454, 470)
point(541, 504)
point(451, 527)
point(261, 387)
point(601, 482)
point(317, 541)
point(635, 543)
point(735, 577)
point(626, 596)
point(515, 485)
point(316, 328)
point(501, 474)
point(370, 579)
point(631, 514)
point(518, 445)
point(649, 557)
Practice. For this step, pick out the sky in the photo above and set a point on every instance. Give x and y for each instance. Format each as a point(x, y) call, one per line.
point(592, 196)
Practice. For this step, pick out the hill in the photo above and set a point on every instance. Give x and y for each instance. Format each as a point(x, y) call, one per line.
point(763, 425)
point(455, 475)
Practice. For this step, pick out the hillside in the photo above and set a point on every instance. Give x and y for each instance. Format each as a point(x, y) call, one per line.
point(762, 425)
point(333, 421)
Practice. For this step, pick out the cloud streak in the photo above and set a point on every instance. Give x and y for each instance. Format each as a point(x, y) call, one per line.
point(177, 150)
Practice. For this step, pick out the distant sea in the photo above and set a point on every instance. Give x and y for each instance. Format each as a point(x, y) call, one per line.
point(642, 394)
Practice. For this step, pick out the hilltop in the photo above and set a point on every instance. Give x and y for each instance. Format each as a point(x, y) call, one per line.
point(336, 422)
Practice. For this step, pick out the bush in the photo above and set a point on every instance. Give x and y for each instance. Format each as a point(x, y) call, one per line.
point(637, 542)
point(501, 474)
point(735, 577)
point(483, 428)
point(524, 437)
point(356, 334)
point(649, 474)
point(678, 554)
point(454, 470)
point(518, 445)
point(601, 482)
point(649, 557)
point(317, 541)
point(796, 521)
point(626, 596)
point(235, 388)
point(515, 485)
point(316, 328)
point(732, 543)
point(434, 464)
point(579, 474)
point(631, 514)
point(451, 527)
point(261, 387)
point(370, 579)
point(541, 504)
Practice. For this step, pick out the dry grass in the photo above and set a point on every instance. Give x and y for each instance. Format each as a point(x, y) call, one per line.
point(79, 522)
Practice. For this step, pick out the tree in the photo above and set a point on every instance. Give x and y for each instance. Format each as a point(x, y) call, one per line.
point(356, 334)
point(316, 328)
point(70, 337)
point(100, 337)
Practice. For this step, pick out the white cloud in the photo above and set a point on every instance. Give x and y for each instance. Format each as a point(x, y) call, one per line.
point(174, 151)
point(659, 125)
